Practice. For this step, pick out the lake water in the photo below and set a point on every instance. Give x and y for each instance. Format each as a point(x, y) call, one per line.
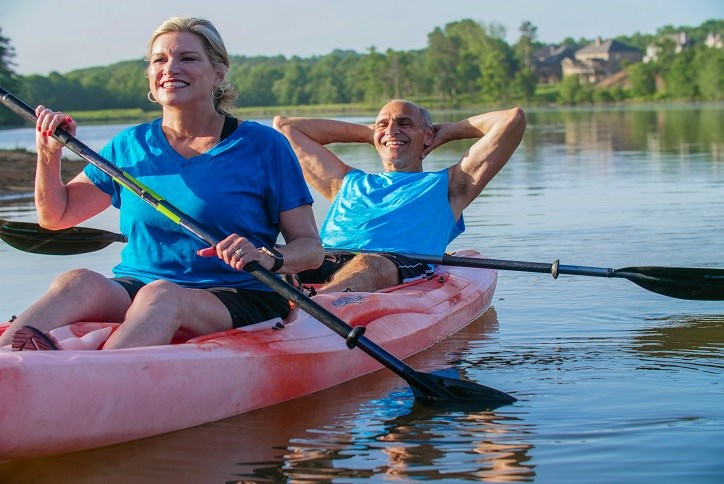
point(615, 383)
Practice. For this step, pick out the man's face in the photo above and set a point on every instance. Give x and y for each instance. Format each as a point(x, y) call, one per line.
point(401, 136)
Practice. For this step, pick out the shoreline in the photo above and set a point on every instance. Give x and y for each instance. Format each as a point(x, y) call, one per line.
point(17, 172)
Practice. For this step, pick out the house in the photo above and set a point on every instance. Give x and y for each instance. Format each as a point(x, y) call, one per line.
point(547, 62)
point(589, 71)
point(600, 59)
point(713, 41)
point(680, 41)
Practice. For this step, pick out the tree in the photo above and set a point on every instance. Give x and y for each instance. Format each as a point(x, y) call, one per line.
point(7, 53)
point(290, 90)
point(709, 65)
point(679, 78)
point(7, 75)
point(373, 69)
point(568, 89)
point(643, 82)
point(254, 83)
point(326, 80)
point(472, 42)
point(524, 84)
point(441, 61)
point(526, 44)
point(493, 79)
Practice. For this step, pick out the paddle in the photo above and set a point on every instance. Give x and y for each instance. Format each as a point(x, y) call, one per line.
point(31, 237)
point(427, 388)
point(677, 282)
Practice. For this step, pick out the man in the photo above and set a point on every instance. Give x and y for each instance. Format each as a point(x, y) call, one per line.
point(404, 208)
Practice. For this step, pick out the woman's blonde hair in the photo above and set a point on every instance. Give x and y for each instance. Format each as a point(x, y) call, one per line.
point(224, 95)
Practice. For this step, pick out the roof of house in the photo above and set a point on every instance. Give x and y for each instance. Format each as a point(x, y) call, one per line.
point(553, 51)
point(606, 46)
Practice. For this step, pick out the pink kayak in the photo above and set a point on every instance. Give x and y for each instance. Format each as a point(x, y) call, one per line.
point(59, 401)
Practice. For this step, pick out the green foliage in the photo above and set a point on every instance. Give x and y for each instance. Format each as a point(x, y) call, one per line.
point(602, 96)
point(8, 78)
point(7, 53)
point(568, 89)
point(643, 82)
point(494, 81)
point(708, 65)
point(526, 46)
point(464, 62)
point(524, 85)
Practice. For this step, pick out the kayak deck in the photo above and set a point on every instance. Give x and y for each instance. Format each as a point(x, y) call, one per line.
point(59, 401)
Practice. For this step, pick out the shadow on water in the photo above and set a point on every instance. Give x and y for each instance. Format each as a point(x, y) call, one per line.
point(367, 428)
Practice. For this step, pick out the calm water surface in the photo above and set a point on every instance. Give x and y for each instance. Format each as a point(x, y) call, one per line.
point(615, 383)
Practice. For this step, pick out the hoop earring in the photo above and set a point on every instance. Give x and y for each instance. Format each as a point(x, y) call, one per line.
point(150, 97)
point(220, 90)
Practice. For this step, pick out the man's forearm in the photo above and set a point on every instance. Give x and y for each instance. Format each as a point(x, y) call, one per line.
point(325, 131)
point(479, 125)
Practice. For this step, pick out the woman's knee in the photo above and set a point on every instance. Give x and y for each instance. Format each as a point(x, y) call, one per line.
point(160, 294)
point(77, 279)
point(157, 290)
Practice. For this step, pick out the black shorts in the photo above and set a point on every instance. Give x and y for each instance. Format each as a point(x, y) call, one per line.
point(245, 306)
point(407, 269)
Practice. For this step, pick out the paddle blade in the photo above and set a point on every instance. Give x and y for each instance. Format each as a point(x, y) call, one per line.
point(438, 390)
point(32, 238)
point(701, 284)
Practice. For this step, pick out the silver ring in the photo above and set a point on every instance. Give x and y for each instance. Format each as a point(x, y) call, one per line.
point(239, 252)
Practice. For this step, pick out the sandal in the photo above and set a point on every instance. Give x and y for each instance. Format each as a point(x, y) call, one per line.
point(293, 280)
point(28, 338)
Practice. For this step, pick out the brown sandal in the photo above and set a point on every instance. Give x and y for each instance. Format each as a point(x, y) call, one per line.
point(28, 338)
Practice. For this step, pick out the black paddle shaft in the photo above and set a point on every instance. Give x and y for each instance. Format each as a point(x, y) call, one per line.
point(704, 284)
point(693, 283)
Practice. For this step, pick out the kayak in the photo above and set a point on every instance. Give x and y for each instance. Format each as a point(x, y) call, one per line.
point(53, 402)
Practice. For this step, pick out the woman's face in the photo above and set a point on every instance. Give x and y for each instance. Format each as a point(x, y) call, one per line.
point(180, 73)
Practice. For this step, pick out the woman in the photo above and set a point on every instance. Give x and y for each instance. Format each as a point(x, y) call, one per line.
point(237, 178)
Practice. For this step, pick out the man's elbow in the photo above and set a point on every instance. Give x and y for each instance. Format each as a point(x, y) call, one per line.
point(517, 120)
point(279, 123)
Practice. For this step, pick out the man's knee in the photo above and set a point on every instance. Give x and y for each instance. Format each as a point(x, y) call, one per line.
point(375, 262)
point(378, 270)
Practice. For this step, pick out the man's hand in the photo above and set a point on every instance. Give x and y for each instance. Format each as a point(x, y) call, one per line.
point(437, 140)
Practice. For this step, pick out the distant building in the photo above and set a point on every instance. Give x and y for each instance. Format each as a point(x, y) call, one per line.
point(548, 60)
point(714, 41)
point(600, 59)
point(680, 40)
point(589, 71)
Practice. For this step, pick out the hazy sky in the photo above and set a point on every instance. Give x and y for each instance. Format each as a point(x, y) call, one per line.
point(65, 35)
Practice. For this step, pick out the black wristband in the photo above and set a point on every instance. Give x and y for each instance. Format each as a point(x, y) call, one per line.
point(276, 255)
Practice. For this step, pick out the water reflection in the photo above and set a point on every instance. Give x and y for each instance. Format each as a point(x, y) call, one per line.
point(690, 341)
point(387, 438)
point(665, 129)
point(396, 439)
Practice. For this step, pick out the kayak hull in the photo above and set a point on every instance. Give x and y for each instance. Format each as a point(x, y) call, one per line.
point(59, 401)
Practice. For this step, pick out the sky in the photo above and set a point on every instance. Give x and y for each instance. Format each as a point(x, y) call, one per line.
point(65, 35)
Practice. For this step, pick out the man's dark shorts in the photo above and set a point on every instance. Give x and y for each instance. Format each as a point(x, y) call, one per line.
point(245, 306)
point(407, 269)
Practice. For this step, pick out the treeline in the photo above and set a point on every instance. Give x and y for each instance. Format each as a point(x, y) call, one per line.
point(464, 63)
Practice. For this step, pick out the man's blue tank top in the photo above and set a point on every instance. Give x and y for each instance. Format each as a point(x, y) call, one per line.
point(393, 211)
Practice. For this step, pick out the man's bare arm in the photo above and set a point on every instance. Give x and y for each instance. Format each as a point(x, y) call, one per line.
point(499, 133)
point(308, 137)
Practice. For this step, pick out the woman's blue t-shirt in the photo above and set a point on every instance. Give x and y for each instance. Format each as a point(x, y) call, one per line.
point(239, 186)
